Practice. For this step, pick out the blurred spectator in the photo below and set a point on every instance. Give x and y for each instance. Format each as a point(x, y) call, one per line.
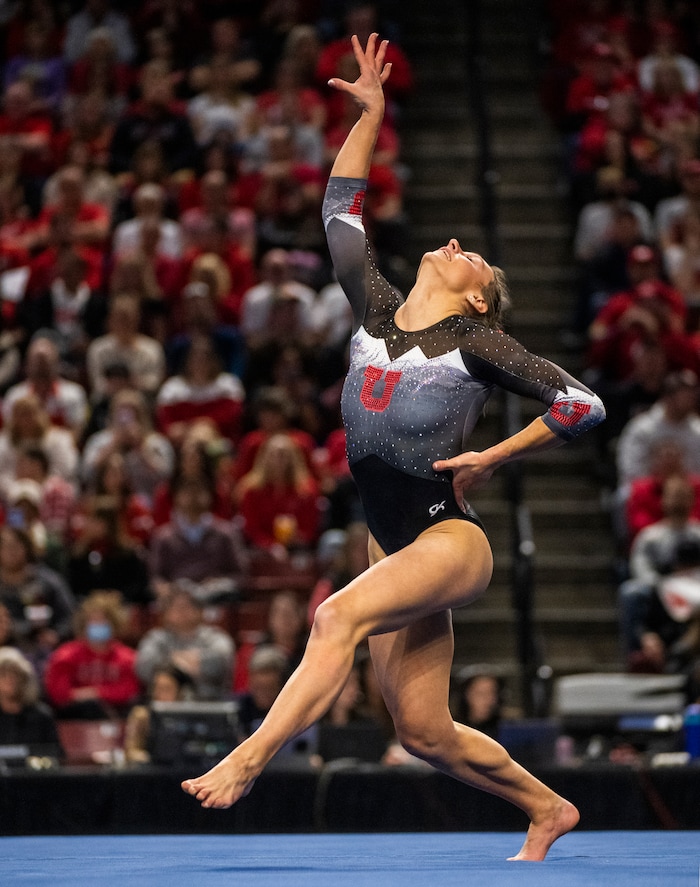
point(202, 390)
point(672, 209)
point(285, 631)
point(616, 138)
point(14, 205)
point(111, 485)
point(168, 684)
point(644, 500)
point(98, 14)
point(37, 599)
point(671, 116)
point(272, 413)
point(103, 556)
point(303, 45)
point(57, 496)
point(148, 455)
point(73, 311)
point(279, 499)
point(145, 165)
point(675, 416)
point(84, 143)
point(348, 561)
point(87, 224)
point(99, 71)
point(93, 676)
point(63, 400)
point(28, 424)
point(361, 18)
point(606, 271)
point(595, 220)
point(24, 720)
point(22, 14)
point(654, 555)
point(196, 461)
point(38, 66)
point(480, 701)
point(222, 111)
point(226, 42)
point(590, 91)
point(155, 117)
point(665, 49)
point(200, 318)
point(268, 670)
point(116, 377)
point(204, 653)
point(285, 186)
point(123, 342)
point(650, 310)
point(195, 549)
point(218, 204)
point(289, 100)
point(149, 204)
point(682, 257)
point(276, 284)
point(30, 130)
point(225, 267)
point(23, 500)
point(181, 21)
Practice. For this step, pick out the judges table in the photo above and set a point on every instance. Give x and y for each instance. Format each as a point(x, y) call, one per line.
point(342, 797)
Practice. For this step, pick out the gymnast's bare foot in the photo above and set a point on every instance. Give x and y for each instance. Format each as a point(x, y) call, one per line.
point(544, 832)
point(229, 781)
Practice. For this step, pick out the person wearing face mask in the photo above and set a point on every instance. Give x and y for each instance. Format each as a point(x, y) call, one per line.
point(94, 675)
point(195, 547)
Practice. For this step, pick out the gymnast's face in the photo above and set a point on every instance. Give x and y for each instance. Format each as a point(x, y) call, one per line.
point(460, 272)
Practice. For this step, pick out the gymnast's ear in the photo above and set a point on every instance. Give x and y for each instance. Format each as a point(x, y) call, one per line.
point(477, 303)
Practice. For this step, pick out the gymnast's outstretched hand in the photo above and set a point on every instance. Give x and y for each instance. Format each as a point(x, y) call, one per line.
point(367, 90)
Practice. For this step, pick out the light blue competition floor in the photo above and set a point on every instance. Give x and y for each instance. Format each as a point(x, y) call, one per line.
point(616, 858)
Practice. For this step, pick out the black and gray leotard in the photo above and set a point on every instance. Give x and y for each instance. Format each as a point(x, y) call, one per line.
point(410, 398)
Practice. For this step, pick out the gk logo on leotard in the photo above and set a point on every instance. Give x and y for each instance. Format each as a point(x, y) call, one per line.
point(372, 376)
point(439, 506)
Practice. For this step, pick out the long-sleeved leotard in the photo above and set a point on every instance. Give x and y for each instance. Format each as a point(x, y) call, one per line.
point(413, 397)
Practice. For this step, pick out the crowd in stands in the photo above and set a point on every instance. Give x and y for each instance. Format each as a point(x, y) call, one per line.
point(622, 85)
point(172, 348)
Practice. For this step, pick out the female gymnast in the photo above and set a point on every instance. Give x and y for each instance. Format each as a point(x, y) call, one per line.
point(420, 372)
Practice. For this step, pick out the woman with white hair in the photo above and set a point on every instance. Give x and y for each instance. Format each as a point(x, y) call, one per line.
point(23, 719)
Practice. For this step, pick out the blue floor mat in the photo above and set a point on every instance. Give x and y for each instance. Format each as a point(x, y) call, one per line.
point(585, 859)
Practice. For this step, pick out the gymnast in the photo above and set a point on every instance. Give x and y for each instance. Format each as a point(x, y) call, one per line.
point(421, 370)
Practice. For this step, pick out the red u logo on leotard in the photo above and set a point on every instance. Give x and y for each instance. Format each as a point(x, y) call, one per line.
point(372, 376)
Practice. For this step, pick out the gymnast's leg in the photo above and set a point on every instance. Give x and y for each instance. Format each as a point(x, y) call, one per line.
point(413, 669)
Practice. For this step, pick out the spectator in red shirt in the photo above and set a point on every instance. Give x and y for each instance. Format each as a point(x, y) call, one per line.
point(225, 268)
point(671, 114)
point(273, 414)
point(87, 223)
point(589, 93)
point(650, 310)
point(644, 504)
point(216, 203)
point(279, 499)
point(203, 390)
point(99, 71)
point(289, 101)
point(361, 19)
point(94, 676)
point(31, 131)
